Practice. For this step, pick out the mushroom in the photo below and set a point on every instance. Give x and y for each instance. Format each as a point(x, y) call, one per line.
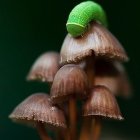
point(45, 67)
point(37, 110)
point(70, 82)
point(101, 104)
point(112, 75)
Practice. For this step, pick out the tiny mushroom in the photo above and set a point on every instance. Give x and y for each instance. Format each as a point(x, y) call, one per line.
point(37, 110)
point(101, 104)
point(45, 67)
point(70, 83)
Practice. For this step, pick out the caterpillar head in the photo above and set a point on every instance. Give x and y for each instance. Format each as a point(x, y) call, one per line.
point(75, 29)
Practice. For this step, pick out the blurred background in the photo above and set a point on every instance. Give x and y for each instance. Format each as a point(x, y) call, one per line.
point(31, 27)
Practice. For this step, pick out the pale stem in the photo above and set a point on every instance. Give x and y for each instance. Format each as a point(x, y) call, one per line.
point(86, 129)
point(42, 131)
point(73, 118)
point(96, 129)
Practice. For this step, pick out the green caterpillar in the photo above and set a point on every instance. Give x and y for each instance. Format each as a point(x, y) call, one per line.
point(82, 14)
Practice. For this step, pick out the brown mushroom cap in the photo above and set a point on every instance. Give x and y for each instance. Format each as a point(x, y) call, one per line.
point(110, 82)
point(38, 108)
point(125, 84)
point(69, 81)
point(45, 67)
point(102, 103)
point(112, 75)
point(97, 40)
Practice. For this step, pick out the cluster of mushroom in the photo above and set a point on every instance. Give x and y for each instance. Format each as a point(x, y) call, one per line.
point(88, 70)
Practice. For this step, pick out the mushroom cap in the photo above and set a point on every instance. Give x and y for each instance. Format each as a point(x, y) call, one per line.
point(38, 108)
point(125, 84)
point(97, 40)
point(69, 81)
point(102, 103)
point(112, 83)
point(112, 75)
point(45, 67)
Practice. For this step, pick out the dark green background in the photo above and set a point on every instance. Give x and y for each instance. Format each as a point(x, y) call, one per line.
point(30, 27)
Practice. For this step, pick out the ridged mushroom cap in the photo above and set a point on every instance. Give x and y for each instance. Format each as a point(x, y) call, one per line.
point(38, 108)
point(45, 67)
point(112, 75)
point(69, 81)
point(125, 84)
point(97, 40)
point(102, 103)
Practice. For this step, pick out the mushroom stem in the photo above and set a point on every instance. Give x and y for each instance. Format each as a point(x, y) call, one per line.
point(73, 117)
point(90, 70)
point(96, 129)
point(61, 134)
point(67, 135)
point(86, 128)
point(85, 131)
point(42, 132)
point(50, 84)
